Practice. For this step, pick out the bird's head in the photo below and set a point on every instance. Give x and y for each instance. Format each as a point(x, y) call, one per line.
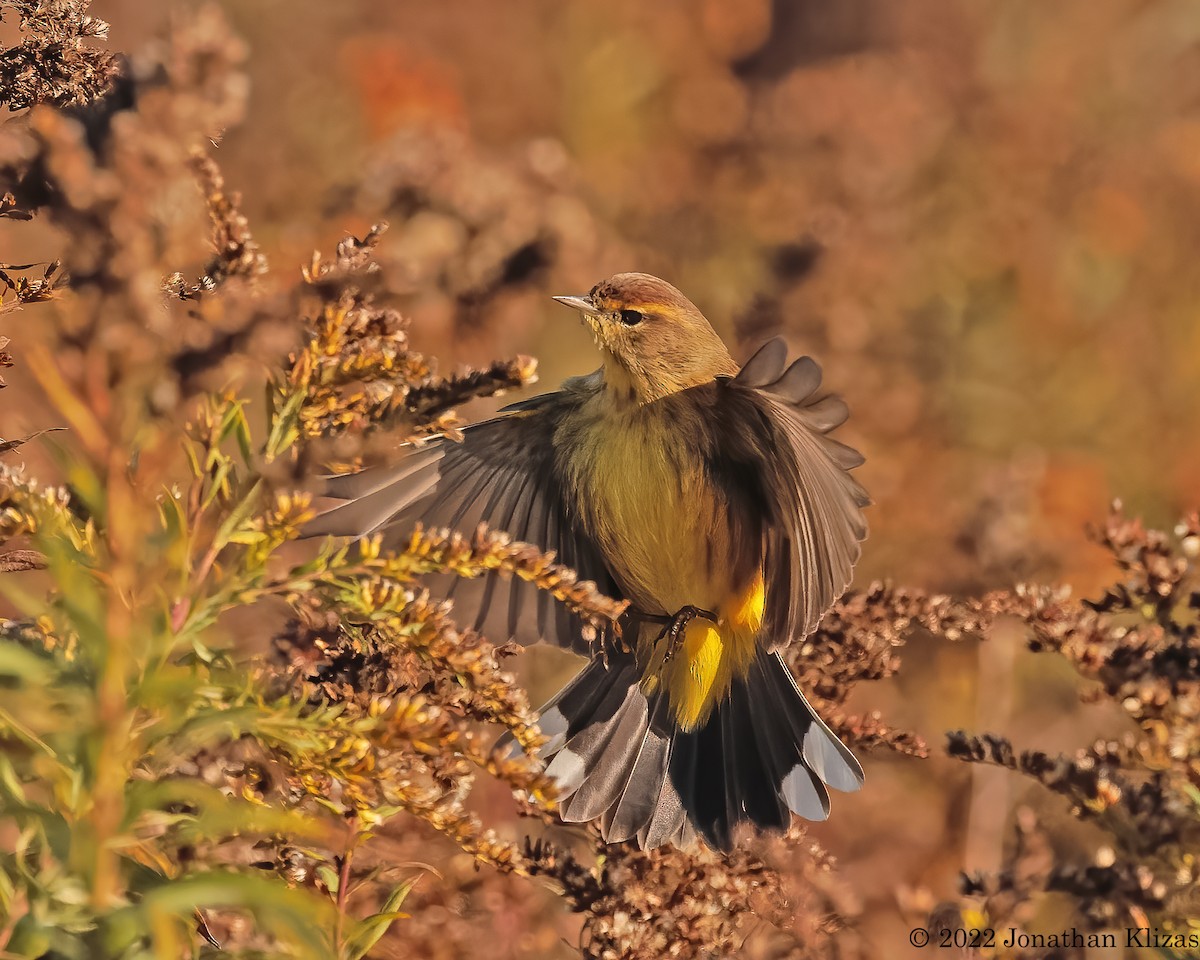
point(655, 342)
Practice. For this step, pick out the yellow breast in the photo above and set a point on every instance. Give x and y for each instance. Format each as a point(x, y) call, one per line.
point(664, 529)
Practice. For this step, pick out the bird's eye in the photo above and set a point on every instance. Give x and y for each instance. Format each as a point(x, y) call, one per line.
point(630, 317)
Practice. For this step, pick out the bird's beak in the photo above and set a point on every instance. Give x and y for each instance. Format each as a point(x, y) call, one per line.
point(582, 304)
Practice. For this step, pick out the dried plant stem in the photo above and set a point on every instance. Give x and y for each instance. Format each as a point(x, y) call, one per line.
point(990, 787)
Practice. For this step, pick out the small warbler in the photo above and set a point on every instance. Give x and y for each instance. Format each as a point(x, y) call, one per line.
point(709, 497)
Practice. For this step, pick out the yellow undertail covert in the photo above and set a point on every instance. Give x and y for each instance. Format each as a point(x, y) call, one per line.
point(709, 656)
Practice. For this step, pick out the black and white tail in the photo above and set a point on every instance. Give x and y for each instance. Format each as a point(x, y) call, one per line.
point(619, 756)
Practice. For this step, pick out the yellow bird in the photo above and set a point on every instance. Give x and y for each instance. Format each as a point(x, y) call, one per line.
point(710, 497)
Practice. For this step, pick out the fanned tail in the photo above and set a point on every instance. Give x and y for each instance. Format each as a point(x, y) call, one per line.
point(619, 757)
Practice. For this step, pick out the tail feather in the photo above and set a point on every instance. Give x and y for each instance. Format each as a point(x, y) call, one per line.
point(731, 750)
point(667, 816)
point(700, 777)
point(614, 756)
point(763, 757)
point(642, 790)
point(591, 729)
point(825, 754)
point(620, 757)
point(577, 701)
point(686, 836)
point(801, 788)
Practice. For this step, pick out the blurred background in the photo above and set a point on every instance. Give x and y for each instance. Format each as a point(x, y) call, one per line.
point(981, 216)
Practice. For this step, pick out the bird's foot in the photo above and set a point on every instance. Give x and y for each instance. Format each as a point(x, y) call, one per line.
point(674, 625)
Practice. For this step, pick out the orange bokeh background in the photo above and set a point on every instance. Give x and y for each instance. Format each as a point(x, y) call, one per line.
point(981, 216)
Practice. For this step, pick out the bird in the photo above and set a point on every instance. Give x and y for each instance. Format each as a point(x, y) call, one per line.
point(707, 495)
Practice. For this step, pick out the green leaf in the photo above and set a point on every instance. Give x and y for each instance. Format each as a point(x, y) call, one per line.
point(229, 421)
point(10, 784)
point(24, 665)
point(368, 931)
point(237, 516)
point(329, 877)
point(191, 449)
point(248, 538)
point(173, 516)
point(284, 426)
point(86, 486)
point(217, 482)
point(8, 892)
point(29, 938)
point(241, 433)
point(293, 915)
point(217, 816)
point(208, 725)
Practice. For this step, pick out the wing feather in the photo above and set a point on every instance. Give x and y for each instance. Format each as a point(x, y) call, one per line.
point(814, 524)
point(503, 474)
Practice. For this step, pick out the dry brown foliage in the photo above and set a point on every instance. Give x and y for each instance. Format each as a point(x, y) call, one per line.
point(54, 64)
point(276, 790)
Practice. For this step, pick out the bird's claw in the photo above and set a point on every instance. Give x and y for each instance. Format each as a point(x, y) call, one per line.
point(674, 625)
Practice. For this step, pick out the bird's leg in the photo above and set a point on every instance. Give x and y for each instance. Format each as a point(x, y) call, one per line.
point(678, 625)
point(674, 624)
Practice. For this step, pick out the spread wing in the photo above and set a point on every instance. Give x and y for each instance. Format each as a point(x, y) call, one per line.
point(501, 474)
point(814, 523)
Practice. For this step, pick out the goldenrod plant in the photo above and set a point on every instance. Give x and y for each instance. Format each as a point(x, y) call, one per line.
point(217, 741)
